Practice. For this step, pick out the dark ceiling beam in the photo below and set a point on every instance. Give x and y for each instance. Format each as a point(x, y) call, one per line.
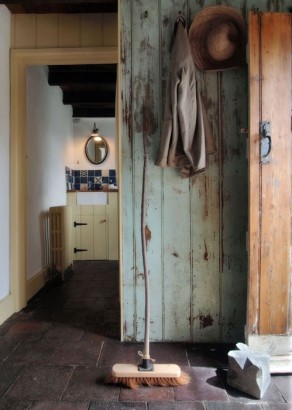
point(63, 6)
point(93, 112)
point(89, 89)
point(91, 97)
point(71, 78)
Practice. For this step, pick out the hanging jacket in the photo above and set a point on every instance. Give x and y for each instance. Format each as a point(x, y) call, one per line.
point(186, 136)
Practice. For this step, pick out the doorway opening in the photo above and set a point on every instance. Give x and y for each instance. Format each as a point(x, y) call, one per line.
point(20, 60)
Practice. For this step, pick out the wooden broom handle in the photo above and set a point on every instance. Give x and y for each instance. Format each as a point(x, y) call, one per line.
point(146, 351)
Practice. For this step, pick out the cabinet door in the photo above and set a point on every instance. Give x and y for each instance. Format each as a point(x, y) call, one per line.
point(84, 237)
point(113, 227)
point(269, 303)
point(100, 245)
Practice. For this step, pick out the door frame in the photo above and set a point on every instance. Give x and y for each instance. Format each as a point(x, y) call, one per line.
point(20, 59)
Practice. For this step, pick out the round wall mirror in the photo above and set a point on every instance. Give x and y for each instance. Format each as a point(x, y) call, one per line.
point(96, 149)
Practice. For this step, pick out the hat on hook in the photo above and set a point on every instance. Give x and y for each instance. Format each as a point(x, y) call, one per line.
point(218, 38)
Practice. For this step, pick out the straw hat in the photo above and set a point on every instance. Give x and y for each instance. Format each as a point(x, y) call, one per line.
point(218, 38)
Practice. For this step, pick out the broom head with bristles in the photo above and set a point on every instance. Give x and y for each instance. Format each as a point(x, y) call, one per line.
point(162, 375)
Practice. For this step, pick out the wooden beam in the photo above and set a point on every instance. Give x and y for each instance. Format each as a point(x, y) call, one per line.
point(71, 97)
point(65, 6)
point(93, 112)
point(88, 77)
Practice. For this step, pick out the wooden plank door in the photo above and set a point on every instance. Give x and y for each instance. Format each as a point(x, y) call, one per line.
point(269, 304)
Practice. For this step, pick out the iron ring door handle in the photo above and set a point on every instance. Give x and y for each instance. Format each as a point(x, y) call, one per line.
point(265, 141)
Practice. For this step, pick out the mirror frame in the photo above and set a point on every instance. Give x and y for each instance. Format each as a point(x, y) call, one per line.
point(88, 154)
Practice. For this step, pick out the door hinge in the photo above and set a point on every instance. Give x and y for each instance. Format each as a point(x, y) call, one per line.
point(78, 224)
point(79, 250)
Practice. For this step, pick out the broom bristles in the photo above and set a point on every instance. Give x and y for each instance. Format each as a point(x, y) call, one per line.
point(135, 382)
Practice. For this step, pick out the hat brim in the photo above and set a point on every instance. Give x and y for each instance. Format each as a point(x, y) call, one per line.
point(200, 28)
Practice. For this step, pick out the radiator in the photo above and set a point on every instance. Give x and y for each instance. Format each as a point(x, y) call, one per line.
point(61, 246)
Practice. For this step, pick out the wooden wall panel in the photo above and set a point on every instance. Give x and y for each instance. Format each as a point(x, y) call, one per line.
point(63, 30)
point(198, 257)
point(234, 203)
point(191, 296)
point(109, 29)
point(91, 30)
point(145, 81)
point(126, 179)
point(47, 30)
point(175, 195)
point(24, 30)
point(69, 30)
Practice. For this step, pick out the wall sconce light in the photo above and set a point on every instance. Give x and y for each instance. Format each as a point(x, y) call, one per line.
point(95, 133)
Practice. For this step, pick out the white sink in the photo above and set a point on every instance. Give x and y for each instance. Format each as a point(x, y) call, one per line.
point(92, 198)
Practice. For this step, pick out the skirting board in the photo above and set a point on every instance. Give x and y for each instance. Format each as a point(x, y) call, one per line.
point(6, 308)
point(278, 346)
point(34, 284)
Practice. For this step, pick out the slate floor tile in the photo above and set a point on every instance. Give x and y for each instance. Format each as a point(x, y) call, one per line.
point(116, 352)
point(8, 376)
point(54, 315)
point(91, 334)
point(205, 385)
point(99, 405)
point(79, 303)
point(28, 330)
point(14, 404)
point(284, 384)
point(32, 352)
point(176, 405)
point(41, 383)
point(7, 345)
point(276, 406)
point(208, 355)
point(63, 332)
point(169, 353)
point(59, 405)
point(147, 394)
point(216, 405)
point(81, 353)
point(88, 382)
point(86, 316)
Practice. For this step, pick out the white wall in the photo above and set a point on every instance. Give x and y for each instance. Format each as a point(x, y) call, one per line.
point(49, 150)
point(4, 152)
point(82, 128)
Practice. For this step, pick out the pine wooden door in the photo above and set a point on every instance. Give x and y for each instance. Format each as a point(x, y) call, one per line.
point(269, 295)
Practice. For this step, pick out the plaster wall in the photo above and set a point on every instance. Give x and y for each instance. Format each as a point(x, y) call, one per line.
point(4, 152)
point(49, 150)
point(82, 128)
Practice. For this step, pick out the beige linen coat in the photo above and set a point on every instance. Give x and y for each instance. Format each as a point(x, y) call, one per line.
point(186, 137)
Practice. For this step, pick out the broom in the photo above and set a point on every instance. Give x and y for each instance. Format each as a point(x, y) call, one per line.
point(147, 373)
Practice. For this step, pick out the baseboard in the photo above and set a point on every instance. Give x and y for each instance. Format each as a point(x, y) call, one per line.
point(34, 284)
point(6, 308)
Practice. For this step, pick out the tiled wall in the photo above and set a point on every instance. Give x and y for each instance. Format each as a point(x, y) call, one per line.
point(94, 179)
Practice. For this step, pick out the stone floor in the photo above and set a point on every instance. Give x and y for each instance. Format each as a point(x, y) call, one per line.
point(55, 353)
